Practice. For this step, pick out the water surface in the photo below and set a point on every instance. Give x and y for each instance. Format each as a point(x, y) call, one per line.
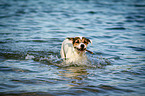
point(31, 33)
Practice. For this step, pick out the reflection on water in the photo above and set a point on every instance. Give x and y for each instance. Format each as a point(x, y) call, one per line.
point(76, 75)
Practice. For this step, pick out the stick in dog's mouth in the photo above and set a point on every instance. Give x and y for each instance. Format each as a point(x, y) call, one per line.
point(89, 51)
point(83, 50)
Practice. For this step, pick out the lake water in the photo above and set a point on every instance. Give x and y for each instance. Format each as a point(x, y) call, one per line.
point(31, 33)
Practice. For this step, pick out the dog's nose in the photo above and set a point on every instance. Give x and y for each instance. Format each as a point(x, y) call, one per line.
point(82, 46)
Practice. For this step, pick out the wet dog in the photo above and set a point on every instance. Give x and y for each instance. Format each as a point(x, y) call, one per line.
point(73, 50)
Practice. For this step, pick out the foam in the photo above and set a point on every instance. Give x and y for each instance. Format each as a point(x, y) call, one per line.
point(29, 56)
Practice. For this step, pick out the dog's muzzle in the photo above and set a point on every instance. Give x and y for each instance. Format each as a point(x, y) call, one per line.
point(80, 49)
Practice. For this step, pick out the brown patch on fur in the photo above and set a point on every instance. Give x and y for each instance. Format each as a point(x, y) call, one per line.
point(70, 38)
point(77, 40)
point(85, 41)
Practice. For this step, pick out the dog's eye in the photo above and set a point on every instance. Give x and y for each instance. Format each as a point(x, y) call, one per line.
point(77, 41)
point(85, 41)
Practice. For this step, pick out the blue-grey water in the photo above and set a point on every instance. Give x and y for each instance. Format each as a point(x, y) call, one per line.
point(31, 33)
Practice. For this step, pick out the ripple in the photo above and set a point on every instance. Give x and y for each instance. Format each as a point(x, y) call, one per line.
point(80, 27)
point(115, 58)
point(7, 86)
point(11, 69)
point(92, 12)
point(139, 5)
point(130, 72)
point(116, 28)
point(31, 33)
point(108, 87)
point(27, 94)
point(137, 48)
point(92, 89)
point(12, 55)
point(3, 68)
point(39, 41)
point(27, 81)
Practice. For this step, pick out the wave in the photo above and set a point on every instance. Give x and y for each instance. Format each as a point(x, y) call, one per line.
point(54, 59)
point(98, 62)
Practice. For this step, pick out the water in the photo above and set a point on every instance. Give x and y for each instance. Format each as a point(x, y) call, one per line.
point(31, 33)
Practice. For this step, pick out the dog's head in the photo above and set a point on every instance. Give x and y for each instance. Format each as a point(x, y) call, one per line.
point(80, 43)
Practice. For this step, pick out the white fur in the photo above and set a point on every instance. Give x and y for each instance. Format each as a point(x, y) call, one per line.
point(79, 46)
point(80, 37)
point(70, 54)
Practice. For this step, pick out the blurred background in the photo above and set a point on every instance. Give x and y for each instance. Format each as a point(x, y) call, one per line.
point(31, 33)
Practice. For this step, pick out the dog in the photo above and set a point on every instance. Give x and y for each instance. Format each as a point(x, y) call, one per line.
point(73, 50)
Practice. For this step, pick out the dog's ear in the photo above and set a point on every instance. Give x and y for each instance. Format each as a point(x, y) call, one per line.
point(70, 38)
point(90, 41)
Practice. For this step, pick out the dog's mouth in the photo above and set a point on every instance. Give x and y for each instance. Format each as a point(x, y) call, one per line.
point(80, 49)
point(83, 49)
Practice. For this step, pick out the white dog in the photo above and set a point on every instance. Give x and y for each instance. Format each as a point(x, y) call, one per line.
point(73, 50)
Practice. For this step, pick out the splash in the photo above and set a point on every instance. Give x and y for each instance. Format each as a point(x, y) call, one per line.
point(97, 62)
point(29, 57)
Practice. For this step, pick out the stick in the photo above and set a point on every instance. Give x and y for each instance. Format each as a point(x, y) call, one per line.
point(89, 51)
